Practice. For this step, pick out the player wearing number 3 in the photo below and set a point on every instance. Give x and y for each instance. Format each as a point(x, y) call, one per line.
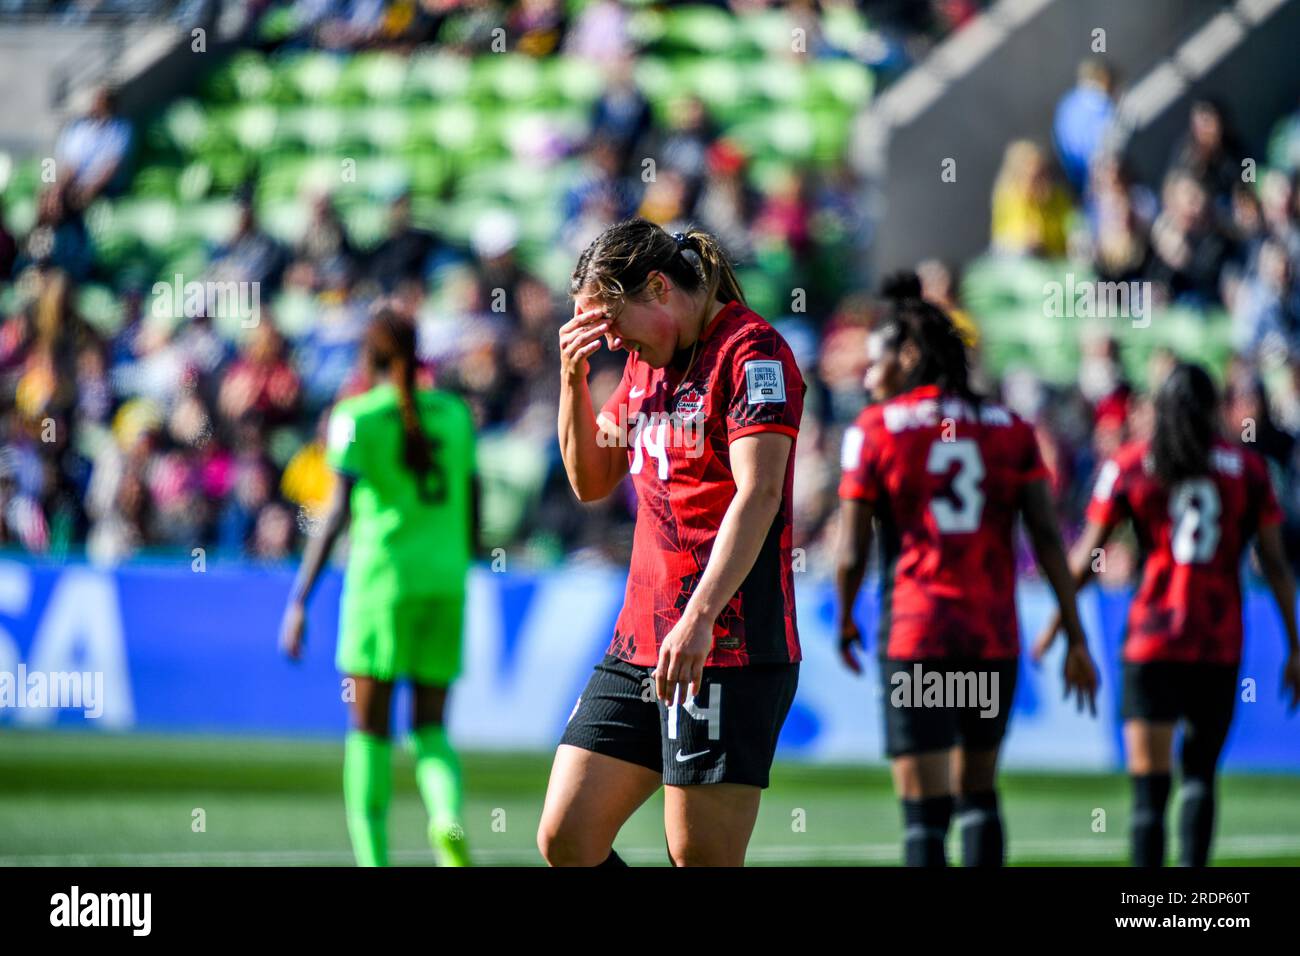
point(1195, 502)
point(945, 474)
point(404, 464)
point(703, 664)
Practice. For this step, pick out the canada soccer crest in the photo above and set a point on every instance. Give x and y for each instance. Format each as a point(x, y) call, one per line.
point(690, 406)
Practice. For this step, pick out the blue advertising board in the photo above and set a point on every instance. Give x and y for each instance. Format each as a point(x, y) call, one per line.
point(169, 648)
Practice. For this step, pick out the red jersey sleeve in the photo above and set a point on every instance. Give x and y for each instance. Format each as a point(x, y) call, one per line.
point(858, 479)
point(1032, 467)
point(766, 387)
point(1259, 484)
point(1108, 504)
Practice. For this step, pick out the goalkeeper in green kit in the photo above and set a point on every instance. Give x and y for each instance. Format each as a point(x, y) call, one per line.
point(404, 462)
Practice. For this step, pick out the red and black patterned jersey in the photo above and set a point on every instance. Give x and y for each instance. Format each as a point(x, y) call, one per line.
point(1188, 604)
point(678, 433)
point(945, 478)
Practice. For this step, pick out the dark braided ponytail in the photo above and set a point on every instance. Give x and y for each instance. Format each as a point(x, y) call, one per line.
point(1184, 430)
point(390, 347)
point(944, 360)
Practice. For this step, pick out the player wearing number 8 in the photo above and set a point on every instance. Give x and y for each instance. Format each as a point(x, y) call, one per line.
point(404, 464)
point(1195, 502)
point(944, 474)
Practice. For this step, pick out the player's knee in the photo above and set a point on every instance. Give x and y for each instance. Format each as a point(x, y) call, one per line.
point(699, 853)
point(564, 845)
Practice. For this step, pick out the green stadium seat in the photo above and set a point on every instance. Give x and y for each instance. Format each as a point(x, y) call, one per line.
point(102, 308)
point(314, 76)
point(439, 75)
point(376, 77)
point(844, 81)
point(575, 80)
point(770, 32)
point(702, 29)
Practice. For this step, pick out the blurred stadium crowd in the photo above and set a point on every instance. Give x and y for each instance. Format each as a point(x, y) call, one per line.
point(130, 427)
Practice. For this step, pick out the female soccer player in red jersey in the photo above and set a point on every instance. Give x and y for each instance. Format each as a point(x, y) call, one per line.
point(703, 664)
point(945, 474)
point(1195, 502)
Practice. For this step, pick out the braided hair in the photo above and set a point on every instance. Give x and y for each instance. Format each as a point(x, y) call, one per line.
point(944, 360)
point(390, 347)
point(1184, 429)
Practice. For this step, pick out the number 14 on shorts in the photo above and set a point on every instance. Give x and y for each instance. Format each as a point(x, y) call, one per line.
point(712, 713)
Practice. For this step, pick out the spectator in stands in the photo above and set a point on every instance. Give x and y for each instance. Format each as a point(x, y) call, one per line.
point(92, 152)
point(261, 384)
point(600, 33)
point(1267, 307)
point(1189, 249)
point(250, 255)
point(324, 246)
point(684, 147)
point(59, 239)
point(599, 197)
point(726, 202)
point(536, 27)
point(1248, 228)
point(405, 253)
point(620, 116)
point(497, 269)
point(1284, 144)
point(1082, 118)
point(939, 286)
point(351, 24)
point(1278, 197)
point(8, 247)
point(1119, 218)
point(785, 215)
point(1030, 211)
point(1206, 152)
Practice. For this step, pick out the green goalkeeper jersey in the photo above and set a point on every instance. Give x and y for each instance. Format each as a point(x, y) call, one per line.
point(410, 536)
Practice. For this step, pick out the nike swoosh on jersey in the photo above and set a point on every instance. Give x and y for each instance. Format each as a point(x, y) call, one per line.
point(636, 392)
point(682, 758)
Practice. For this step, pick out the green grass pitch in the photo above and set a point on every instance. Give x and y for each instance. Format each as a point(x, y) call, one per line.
point(93, 799)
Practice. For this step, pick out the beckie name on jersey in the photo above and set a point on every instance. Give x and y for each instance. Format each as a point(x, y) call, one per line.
point(900, 417)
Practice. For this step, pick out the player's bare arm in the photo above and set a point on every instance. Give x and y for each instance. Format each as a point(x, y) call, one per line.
point(317, 552)
point(1093, 539)
point(1277, 573)
point(853, 552)
point(594, 468)
point(1080, 672)
point(758, 465)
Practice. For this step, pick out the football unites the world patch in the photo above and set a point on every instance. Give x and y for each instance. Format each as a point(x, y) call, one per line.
point(764, 381)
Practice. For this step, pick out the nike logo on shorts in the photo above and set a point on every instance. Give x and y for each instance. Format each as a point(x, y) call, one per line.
point(682, 758)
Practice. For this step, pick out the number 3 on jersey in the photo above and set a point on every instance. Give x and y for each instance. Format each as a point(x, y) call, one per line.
point(963, 516)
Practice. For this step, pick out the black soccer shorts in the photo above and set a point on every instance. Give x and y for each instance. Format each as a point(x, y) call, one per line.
point(966, 703)
point(1168, 691)
point(727, 734)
